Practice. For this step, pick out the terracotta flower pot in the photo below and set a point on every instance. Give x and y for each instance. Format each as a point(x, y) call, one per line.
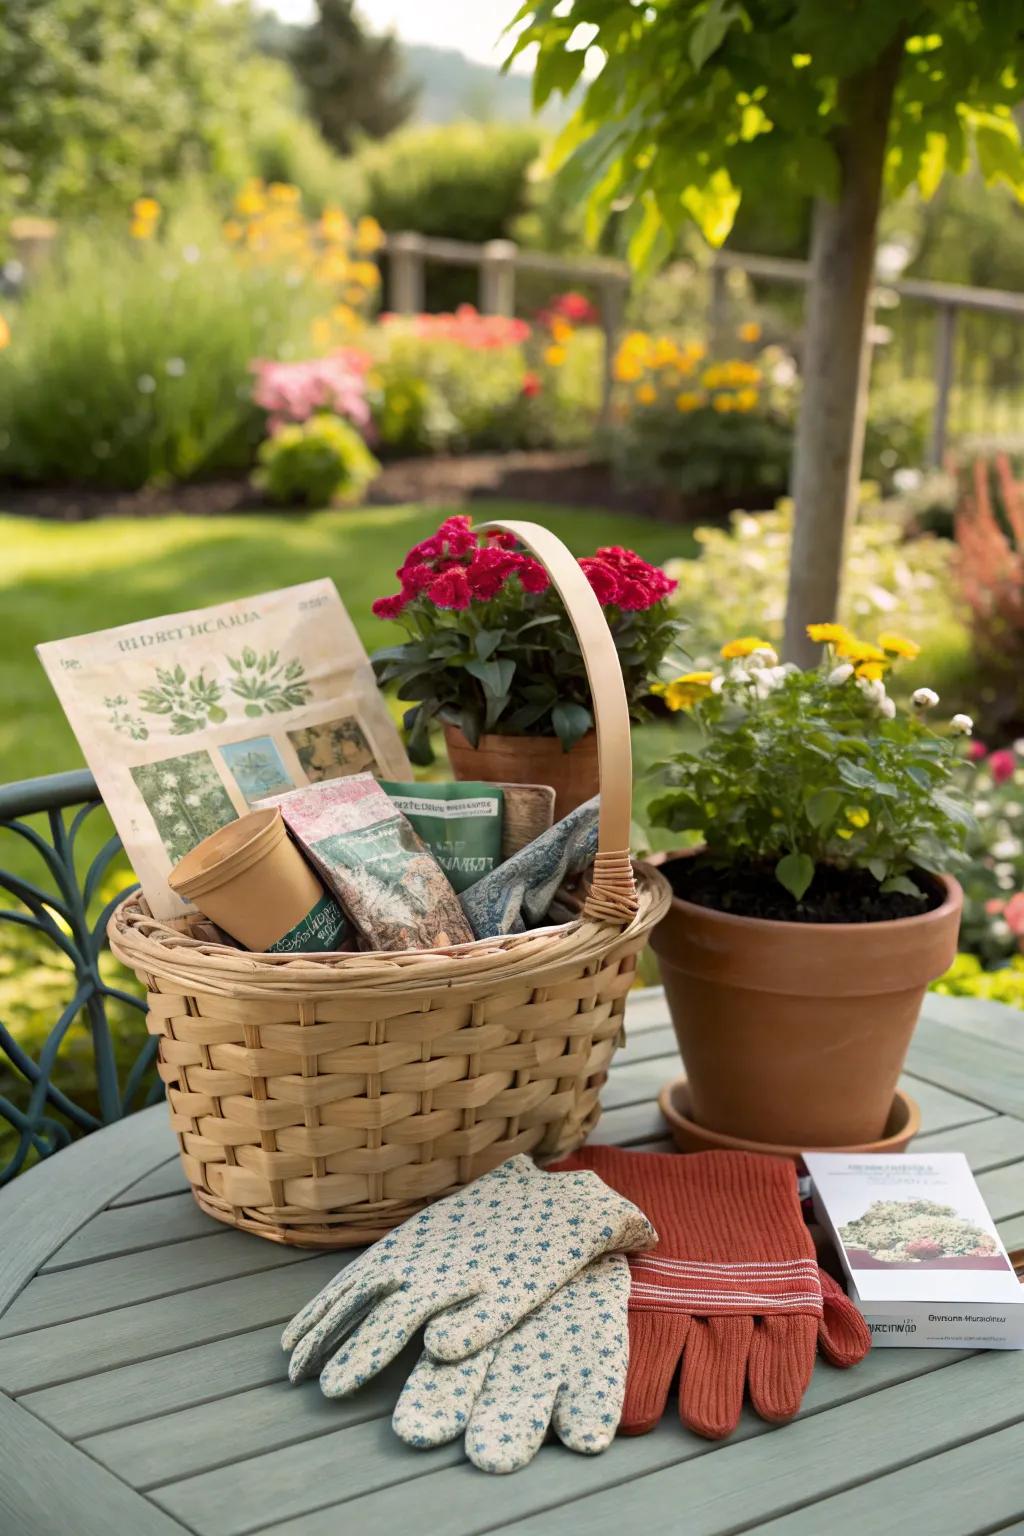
point(796, 1033)
point(529, 760)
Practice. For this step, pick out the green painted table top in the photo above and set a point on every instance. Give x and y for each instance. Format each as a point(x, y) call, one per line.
point(143, 1392)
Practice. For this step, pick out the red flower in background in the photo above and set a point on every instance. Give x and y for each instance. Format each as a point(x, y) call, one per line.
point(976, 751)
point(531, 385)
point(1002, 765)
point(575, 307)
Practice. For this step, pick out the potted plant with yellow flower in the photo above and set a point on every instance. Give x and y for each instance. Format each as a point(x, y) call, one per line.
point(818, 902)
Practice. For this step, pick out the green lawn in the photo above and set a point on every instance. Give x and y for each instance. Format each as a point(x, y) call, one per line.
point(66, 579)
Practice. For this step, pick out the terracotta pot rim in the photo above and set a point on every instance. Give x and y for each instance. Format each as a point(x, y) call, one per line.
point(951, 902)
point(456, 730)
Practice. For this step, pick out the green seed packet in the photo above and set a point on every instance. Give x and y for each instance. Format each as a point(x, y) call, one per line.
point(461, 824)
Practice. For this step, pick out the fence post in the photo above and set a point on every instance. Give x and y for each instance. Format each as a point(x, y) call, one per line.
point(612, 299)
point(497, 292)
point(945, 341)
point(405, 273)
point(717, 305)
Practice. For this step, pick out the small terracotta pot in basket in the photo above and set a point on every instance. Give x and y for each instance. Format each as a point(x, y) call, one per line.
point(320, 1100)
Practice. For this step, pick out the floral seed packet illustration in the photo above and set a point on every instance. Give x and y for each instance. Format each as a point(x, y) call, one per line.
point(188, 720)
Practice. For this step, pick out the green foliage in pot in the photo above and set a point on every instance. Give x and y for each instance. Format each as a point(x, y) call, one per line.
point(319, 461)
point(490, 647)
point(807, 772)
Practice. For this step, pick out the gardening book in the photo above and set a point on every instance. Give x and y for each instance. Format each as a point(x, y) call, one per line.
point(925, 1262)
point(188, 721)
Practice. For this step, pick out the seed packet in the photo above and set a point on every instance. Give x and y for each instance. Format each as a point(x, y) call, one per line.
point(461, 824)
point(368, 854)
point(519, 893)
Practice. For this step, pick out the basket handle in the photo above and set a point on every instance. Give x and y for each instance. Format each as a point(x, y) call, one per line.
point(612, 896)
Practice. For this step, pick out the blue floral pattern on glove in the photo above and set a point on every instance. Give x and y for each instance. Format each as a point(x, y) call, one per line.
point(563, 1366)
point(470, 1267)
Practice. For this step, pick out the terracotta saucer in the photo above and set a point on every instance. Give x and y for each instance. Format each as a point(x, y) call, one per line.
point(674, 1102)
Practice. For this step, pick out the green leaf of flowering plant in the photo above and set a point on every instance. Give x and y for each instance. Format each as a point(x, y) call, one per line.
point(795, 871)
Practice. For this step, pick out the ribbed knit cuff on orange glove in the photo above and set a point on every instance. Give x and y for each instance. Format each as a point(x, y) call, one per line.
point(732, 1293)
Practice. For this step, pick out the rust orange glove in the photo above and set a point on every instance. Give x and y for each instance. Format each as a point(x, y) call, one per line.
point(732, 1294)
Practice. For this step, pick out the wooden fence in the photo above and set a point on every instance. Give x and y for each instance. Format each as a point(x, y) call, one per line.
point(978, 368)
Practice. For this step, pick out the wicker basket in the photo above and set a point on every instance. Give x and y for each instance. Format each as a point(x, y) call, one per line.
point(321, 1100)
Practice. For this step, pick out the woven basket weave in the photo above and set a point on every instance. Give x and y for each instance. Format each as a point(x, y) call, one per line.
point(321, 1100)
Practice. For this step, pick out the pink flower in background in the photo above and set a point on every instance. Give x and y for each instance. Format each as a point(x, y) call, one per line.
point(295, 391)
point(466, 327)
point(1002, 765)
point(977, 750)
point(1013, 914)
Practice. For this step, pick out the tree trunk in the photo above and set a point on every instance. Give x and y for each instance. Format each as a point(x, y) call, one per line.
point(830, 429)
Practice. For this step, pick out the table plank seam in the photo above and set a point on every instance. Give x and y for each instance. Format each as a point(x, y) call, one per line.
point(959, 1093)
point(124, 1253)
point(79, 1317)
point(765, 1515)
point(861, 1482)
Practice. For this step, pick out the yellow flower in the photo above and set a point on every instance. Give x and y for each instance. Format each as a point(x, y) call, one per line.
point(554, 356)
point(146, 208)
point(646, 394)
point(233, 230)
point(369, 236)
point(852, 649)
point(284, 192)
point(685, 691)
point(899, 645)
point(344, 315)
point(696, 350)
point(858, 815)
point(5, 334)
point(251, 199)
point(322, 331)
point(335, 226)
point(561, 330)
point(750, 331)
point(665, 352)
point(744, 645)
point(746, 399)
point(364, 272)
point(844, 833)
point(142, 229)
point(689, 400)
point(723, 403)
point(829, 634)
point(627, 368)
point(871, 671)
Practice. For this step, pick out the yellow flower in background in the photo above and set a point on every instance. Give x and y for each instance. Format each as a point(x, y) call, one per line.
point(334, 226)
point(899, 645)
point(665, 352)
point(5, 333)
point(233, 230)
point(745, 645)
point(146, 208)
point(554, 356)
point(284, 192)
point(683, 692)
point(250, 199)
point(871, 671)
point(364, 272)
point(749, 332)
point(723, 403)
point(322, 331)
point(561, 330)
point(646, 394)
point(746, 399)
point(344, 315)
point(354, 295)
point(828, 634)
point(627, 368)
point(369, 236)
point(858, 815)
point(844, 833)
point(689, 400)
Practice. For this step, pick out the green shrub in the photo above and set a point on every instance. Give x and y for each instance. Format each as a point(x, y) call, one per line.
point(464, 180)
point(284, 145)
point(966, 978)
point(898, 426)
point(319, 461)
point(129, 361)
point(738, 585)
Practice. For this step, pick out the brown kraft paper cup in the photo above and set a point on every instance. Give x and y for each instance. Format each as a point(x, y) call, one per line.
point(250, 879)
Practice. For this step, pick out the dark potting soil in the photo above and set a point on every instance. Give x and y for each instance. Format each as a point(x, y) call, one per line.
point(834, 895)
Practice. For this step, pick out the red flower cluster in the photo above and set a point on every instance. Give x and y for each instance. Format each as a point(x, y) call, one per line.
point(467, 327)
point(574, 307)
point(456, 567)
point(621, 579)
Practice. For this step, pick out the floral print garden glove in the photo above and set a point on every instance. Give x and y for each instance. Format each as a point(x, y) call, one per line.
point(470, 1267)
point(563, 1365)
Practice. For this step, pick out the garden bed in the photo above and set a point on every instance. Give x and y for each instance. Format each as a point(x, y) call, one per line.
point(562, 477)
